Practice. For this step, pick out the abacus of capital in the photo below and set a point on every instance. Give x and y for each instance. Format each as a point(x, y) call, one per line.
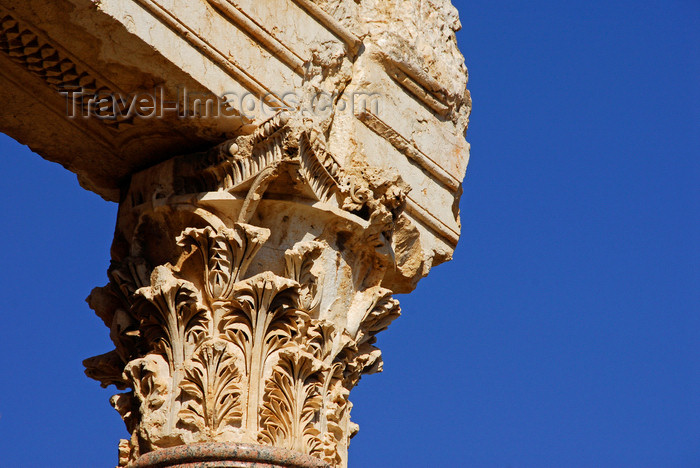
point(282, 168)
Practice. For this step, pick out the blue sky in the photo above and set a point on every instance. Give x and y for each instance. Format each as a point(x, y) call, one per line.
point(565, 332)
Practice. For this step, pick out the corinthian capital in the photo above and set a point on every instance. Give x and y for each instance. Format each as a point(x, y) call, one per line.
point(247, 286)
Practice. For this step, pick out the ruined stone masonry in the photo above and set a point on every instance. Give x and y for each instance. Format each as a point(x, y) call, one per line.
point(282, 168)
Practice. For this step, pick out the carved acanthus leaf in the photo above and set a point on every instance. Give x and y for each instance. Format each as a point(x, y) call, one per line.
point(107, 369)
point(321, 171)
point(334, 416)
point(148, 377)
point(151, 380)
point(105, 301)
point(170, 315)
point(226, 254)
point(262, 314)
point(261, 319)
point(383, 310)
point(212, 390)
point(124, 404)
point(334, 349)
point(299, 261)
point(292, 401)
point(129, 275)
point(372, 311)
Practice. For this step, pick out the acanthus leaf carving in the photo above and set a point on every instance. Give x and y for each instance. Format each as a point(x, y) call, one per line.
point(171, 317)
point(226, 254)
point(212, 390)
point(299, 262)
point(112, 303)
point(371, 312)
point(334, 349)
point(152, 384)
point(245, 359)
point(260, 319)
point(107, 369)
point(291, 402)
point(129, 275)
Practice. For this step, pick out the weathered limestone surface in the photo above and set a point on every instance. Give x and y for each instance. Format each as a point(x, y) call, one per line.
point(259, 240)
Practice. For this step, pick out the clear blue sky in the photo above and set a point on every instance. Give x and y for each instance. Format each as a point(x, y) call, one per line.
point(566, 331)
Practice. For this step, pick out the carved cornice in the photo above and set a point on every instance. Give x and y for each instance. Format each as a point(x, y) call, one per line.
point(413, 207)
point(221, 59)
point(408, 149)
point(419, 84)
point(24, 45)
point(352, 42)
point(252, 27)
point(423, 215)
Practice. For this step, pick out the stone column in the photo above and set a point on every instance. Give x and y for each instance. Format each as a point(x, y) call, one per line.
point(246, 290)
point(256, 250)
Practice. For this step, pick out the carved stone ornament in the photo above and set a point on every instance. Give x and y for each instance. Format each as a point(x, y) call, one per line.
point(240, 315)
point(282, 168)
